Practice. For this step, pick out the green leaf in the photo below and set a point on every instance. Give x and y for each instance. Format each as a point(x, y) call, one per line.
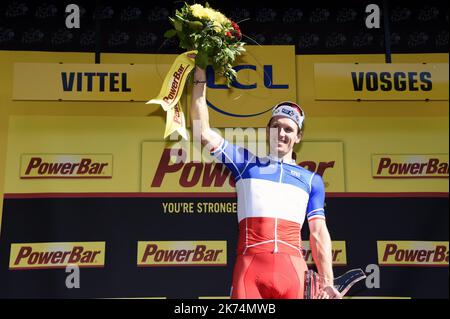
point(228, 53)
point(195, 38)
point(170, 33)
point(178, 26)
point(181, 36)
point(195, 25)
point(208, 49)
point(202, 59)
point(185, 44)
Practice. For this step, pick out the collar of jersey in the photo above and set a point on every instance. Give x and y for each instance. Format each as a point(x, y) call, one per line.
point(277, 159)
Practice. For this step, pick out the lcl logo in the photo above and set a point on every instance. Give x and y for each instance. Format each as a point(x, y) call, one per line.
point(267, 78)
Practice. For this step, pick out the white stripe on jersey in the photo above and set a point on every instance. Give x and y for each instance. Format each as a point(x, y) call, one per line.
point(265, 198)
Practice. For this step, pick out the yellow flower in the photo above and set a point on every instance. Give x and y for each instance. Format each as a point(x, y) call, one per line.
point(217, 26)
point(199, 11)
point(216, 17)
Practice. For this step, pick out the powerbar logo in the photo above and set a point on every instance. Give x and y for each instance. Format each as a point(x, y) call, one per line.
point(338, 251)
point(57, 255)
point(410, 166)
point(175, 85)
point(66, 166)
point(413, 253)
point(182, 253)
point(192, 174)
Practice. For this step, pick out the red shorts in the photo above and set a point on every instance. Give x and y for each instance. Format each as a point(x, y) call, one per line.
point(268, 276)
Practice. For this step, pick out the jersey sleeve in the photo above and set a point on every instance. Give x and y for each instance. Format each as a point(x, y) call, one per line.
point(234, 157)
point(315, 208)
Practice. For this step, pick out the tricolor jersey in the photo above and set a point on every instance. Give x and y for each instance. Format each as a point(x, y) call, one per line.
point(274, 198)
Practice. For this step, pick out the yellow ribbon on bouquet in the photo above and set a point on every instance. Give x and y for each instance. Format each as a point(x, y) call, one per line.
point(171, 91)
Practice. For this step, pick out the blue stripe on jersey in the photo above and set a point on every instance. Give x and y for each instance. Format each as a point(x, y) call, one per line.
point(234, 157)
point(271, 171)
point(317, 195)
point(244, 165)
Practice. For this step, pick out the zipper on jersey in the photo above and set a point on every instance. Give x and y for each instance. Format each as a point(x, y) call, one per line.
point(276, 219)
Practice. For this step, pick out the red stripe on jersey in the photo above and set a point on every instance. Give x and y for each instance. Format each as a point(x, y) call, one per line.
point(258, 234)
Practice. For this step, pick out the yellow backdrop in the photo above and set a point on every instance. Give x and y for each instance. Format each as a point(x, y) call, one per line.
point(120, 128)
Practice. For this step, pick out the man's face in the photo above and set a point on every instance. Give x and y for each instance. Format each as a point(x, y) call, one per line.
point(282, 134)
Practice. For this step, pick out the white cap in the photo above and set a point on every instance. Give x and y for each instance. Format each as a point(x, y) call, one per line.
point(290, 110)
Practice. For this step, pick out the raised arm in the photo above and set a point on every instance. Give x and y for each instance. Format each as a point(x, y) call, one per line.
point(199, 111)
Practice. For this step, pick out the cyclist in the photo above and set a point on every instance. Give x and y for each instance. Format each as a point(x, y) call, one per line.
point(275, 196)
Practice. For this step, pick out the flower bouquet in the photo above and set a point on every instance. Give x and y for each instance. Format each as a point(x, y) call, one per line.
point(216, 38)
